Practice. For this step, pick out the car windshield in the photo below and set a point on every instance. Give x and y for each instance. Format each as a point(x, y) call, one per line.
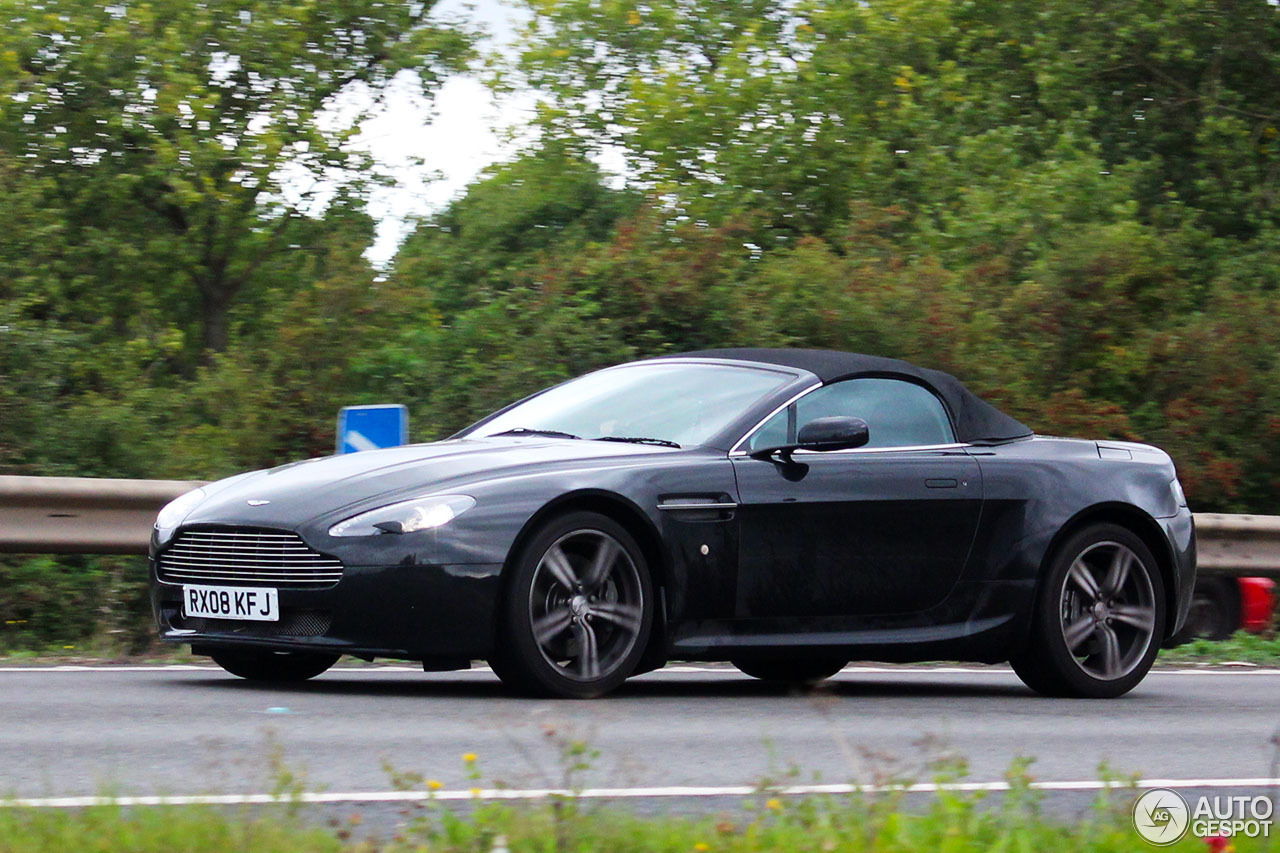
point(680, 402)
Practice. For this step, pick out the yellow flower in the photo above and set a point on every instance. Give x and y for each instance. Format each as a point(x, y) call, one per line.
point(774, 804)
point(476, 792)
point(702, 845)
point(435, 784)
point(633, 18)
point(469, 757)
point(902, 82)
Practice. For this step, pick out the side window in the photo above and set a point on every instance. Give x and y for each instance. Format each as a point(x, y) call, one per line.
point(898, 413)
point(777, 431)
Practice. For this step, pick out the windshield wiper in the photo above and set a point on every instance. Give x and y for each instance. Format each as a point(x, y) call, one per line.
point(659, 442)
point(553, 433)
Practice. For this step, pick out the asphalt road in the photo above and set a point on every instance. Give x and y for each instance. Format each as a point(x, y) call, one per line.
point(171, 731)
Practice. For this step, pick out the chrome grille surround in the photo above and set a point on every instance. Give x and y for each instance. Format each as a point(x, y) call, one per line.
point(245, 555)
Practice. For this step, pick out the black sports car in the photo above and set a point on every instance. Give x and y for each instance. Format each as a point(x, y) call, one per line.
point(785, 510)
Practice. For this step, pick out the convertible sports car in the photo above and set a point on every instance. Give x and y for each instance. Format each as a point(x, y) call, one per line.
point(785, 510)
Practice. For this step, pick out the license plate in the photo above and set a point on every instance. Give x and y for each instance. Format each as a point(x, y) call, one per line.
point(229, 602)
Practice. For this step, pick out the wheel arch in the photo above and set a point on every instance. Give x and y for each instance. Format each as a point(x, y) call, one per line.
point(1142, 525)
point(626, 513)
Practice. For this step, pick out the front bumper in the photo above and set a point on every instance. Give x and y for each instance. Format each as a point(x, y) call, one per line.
point(1180, 533)
point(415, 612)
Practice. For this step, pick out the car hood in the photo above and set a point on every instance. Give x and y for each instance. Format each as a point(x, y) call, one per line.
point(300, 491)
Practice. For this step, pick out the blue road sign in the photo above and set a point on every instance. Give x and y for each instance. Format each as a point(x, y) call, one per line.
point(371, 427)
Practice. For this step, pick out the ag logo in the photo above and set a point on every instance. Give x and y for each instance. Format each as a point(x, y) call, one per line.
point(1161, 816)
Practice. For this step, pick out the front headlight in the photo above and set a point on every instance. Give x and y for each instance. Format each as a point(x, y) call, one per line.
point(178, 509)
point(405, 517)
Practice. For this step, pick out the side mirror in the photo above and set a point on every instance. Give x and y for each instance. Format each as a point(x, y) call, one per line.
point(833, 433)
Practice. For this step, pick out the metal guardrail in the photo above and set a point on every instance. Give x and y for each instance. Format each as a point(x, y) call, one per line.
point(1238, 545)
point(78, 515)
point(75, 515)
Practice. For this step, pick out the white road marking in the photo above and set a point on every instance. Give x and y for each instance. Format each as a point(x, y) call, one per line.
point(1235, 669)
point(691, 791)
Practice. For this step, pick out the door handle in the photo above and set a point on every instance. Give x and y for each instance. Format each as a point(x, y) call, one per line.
point(941, 484)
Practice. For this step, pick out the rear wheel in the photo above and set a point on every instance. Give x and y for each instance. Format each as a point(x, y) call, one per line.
point(578, 610)
point(1099, 617)
point(273, 666)
point(798, 670)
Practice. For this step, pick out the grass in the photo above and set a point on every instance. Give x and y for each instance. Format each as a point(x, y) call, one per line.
point(93, 653)
point(950, 822)
point(155, 830)
point(1242, 647)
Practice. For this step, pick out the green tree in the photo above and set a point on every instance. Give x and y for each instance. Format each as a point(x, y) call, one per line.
point(792, 109)
point(174, 145)
point(548, 200)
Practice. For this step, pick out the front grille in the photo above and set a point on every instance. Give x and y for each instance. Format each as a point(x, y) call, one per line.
point(246, 555)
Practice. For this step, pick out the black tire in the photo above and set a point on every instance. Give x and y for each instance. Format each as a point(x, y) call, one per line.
point(1099, 616)
point(257, 665)
point(583, 582)
point(1215, 611)
point(800, 670)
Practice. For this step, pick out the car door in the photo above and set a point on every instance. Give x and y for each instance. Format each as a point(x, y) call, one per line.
point(881, 529)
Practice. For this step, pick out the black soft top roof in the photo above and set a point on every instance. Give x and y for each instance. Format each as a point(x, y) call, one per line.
point(975, 419)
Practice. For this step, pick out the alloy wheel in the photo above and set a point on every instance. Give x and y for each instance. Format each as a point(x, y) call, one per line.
point(586, 605)
point(1107, 610)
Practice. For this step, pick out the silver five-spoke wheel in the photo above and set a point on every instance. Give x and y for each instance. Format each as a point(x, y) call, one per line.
point(577, 609)
point(586, 604)
point(1108, 610)
point(1098, 618)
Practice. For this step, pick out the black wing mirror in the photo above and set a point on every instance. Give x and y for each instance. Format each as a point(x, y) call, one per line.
point(833, 433)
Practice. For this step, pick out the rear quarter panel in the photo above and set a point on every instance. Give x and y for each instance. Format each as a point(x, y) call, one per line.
point(1035, 488)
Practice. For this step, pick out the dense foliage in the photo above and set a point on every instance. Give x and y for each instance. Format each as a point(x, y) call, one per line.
point(1073, 207)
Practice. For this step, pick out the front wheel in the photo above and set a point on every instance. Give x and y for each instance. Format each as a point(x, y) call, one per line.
point(257, 665)
point(1099, 617)
point(577, 611)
